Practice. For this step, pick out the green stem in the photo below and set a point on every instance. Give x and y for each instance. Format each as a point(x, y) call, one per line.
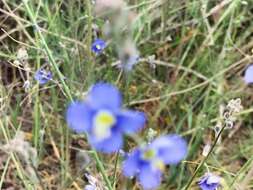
point(115, 170)
point(4, 172)
point(102, 170)
point(37, 126)
point(204, 160)
point(90, 66)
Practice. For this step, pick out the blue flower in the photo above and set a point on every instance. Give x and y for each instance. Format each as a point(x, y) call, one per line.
point(98, 46)
point(101, 116)
point(248, 77)
point(209, 182)
point(148, 163)
point(43, 76)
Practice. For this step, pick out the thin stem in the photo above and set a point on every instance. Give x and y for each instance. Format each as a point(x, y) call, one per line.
point(204, 160)
point(102, 170)
point(90, 66)
point(4, 172)
point(37, 126)
point(115, 170)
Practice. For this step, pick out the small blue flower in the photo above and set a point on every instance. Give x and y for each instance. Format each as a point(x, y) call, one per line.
point(98, 46)
point(248, 77)
point(43, 76)
point(149, 162)
point(100, 116)
point(209, 182)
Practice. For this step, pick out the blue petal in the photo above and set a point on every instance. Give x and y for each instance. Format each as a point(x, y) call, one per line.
point(42, 76)
point(203, 179)
point(150, 178)
point(205, 186)
point(104, 96)
point(90, 187)
point(171, 148)
point(79, 117)
point(109, 145)
point(131, 164)
point(213, 179)
point(209, 182)
point(131, 121)
point(248, 77)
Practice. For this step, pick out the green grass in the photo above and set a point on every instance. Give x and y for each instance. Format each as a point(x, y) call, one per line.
point(196, 72)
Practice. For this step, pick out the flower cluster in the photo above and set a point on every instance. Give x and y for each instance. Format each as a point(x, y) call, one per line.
point(102, 117)
point(43, 76)
point(119, 29)
point(233, 107)
point(147, 163)
point(105, 122)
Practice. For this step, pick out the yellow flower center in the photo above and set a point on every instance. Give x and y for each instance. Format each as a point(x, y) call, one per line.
point(103, 122)
point(150, 155)
point(159, 164)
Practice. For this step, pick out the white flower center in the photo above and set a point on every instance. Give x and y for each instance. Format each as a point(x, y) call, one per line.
point(98, 47)
point(103, 122)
